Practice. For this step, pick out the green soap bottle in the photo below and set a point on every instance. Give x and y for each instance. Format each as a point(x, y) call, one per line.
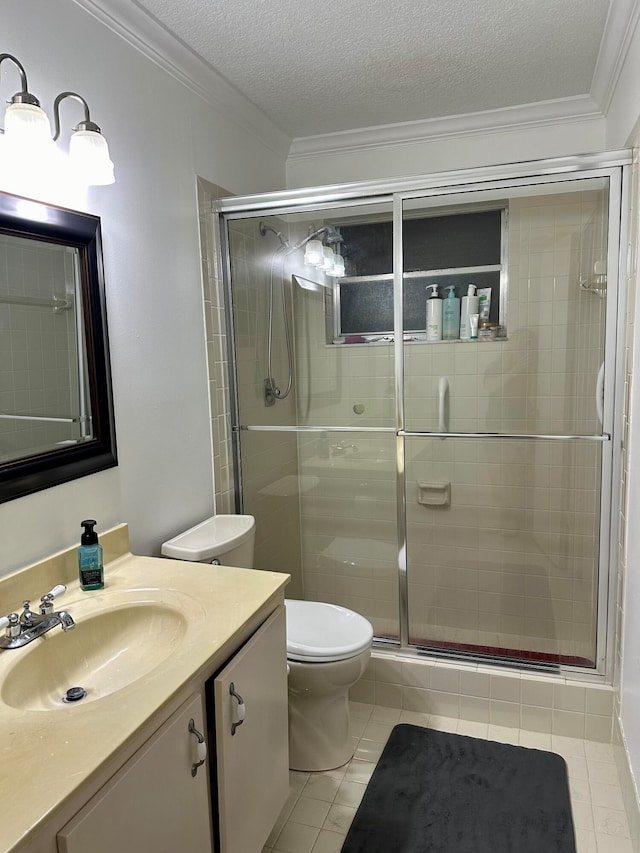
point(90, 564)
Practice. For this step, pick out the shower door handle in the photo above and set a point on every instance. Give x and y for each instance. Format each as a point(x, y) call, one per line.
point(443, 390)
point(600, 393)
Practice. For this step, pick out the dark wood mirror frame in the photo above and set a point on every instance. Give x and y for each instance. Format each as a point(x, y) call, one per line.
point(25, 475)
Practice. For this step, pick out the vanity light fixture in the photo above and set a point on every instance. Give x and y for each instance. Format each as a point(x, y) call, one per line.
point(314, 253)
point(324, 258)
point(26, 125)
point(88, 149)
point(27, 135)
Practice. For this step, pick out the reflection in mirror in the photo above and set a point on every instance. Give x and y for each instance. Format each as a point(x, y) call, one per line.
point(56, 416)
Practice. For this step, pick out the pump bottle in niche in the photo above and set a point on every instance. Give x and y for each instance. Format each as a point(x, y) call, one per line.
point(90, 561)
point(434, 314)
point(451, 316)
point(469, 307)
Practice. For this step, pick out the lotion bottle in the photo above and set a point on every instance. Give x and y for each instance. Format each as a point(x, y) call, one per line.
point(90, 563)
point(434, 314)
point(469, 306)
point(451, 316)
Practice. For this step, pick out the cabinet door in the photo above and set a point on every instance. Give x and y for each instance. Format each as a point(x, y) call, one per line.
point(253, 759)
point(153, 802)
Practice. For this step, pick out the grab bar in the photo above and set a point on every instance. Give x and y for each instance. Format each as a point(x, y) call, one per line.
point(600, 393)
point(443, 388)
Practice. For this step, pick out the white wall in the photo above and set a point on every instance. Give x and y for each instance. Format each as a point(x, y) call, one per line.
point(309, 165)
point(161, 135)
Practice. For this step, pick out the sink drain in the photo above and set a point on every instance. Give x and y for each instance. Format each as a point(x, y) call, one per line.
point(74, 694)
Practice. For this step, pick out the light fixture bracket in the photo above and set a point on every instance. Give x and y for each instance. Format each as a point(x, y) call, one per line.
point(24, 96)
point(87, 125)
point(56, 113)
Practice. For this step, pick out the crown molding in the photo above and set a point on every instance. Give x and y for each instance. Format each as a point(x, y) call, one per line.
point(619, 29)
point(543, 113)
point(139, 29)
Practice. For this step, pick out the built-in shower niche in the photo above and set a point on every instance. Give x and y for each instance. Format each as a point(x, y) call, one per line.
point(450, 248)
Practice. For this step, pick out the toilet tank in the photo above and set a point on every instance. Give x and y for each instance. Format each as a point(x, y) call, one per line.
point(228, 539)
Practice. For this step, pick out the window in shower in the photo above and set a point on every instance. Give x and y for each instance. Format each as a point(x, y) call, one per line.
point(451, 248)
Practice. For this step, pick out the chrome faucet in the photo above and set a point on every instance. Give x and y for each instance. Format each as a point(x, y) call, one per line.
point(20, 630)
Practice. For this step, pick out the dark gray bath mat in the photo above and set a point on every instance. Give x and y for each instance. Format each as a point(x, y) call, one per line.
point(435, 792)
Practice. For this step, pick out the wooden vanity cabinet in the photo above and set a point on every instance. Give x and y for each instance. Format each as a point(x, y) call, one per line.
point(155, 803)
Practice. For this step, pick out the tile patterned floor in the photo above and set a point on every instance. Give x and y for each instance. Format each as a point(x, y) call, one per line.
point(321, 806)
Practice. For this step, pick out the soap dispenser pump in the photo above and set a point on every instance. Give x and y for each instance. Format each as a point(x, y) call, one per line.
point(90, 562)
point(469, 307)
point(451, 316)
point(434, 314)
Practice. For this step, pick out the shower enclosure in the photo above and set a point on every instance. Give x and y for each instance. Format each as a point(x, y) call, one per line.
point(457, 493)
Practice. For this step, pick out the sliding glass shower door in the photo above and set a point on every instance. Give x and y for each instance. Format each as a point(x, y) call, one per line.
point(451, 481)
point(506, 435)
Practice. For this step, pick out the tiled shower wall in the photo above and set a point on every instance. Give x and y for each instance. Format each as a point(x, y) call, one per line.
point(38, 354)
point(213, 295)
point(270, 482)
point(510, 562)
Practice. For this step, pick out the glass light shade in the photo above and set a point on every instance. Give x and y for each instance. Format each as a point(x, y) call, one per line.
point(338, 265)
point(313, 254)
point(327, 263)
point(27, 130)
point(89, 155)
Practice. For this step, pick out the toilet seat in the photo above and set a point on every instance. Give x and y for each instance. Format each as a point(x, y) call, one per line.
point(318, 632)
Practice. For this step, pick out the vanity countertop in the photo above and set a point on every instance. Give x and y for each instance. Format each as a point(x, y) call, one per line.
point(47, 755)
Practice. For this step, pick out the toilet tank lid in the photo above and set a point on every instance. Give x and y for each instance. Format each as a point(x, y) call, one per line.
point(212, 537)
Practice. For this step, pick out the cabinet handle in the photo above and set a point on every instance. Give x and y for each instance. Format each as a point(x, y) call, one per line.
point(239, 710)
point(202, 747)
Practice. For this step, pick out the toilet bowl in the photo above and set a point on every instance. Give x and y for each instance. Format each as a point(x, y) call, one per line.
point(328, 647)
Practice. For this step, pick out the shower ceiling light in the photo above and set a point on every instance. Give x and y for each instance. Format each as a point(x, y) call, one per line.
point(29, 142)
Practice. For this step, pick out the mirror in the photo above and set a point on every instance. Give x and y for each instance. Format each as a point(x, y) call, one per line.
point(56, 404)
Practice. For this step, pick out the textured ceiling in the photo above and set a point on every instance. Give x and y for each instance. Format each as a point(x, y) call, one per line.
point(343, 64)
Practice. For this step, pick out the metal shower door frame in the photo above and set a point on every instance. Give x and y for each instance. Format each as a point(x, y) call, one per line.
point(609, 165)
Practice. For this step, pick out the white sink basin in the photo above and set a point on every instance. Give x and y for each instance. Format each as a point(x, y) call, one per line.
point(106, 651)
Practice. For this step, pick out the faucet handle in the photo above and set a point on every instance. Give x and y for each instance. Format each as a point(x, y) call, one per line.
point(46, 602)
point(56, 591)
point(12, 625)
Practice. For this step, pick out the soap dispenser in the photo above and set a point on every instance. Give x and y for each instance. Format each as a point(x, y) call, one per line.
point(90, 563)
point(434, 314)
point(469, 306)
point(451, 316)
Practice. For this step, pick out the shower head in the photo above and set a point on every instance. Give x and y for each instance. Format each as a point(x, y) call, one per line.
point(264, 229)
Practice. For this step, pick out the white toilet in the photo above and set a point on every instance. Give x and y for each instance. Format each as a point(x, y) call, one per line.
point(328, 647)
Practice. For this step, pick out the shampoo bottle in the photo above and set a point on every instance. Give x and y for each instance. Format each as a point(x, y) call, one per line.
point(451, 316)
point(90, 565)
point(434, 314)
point(469, 306)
